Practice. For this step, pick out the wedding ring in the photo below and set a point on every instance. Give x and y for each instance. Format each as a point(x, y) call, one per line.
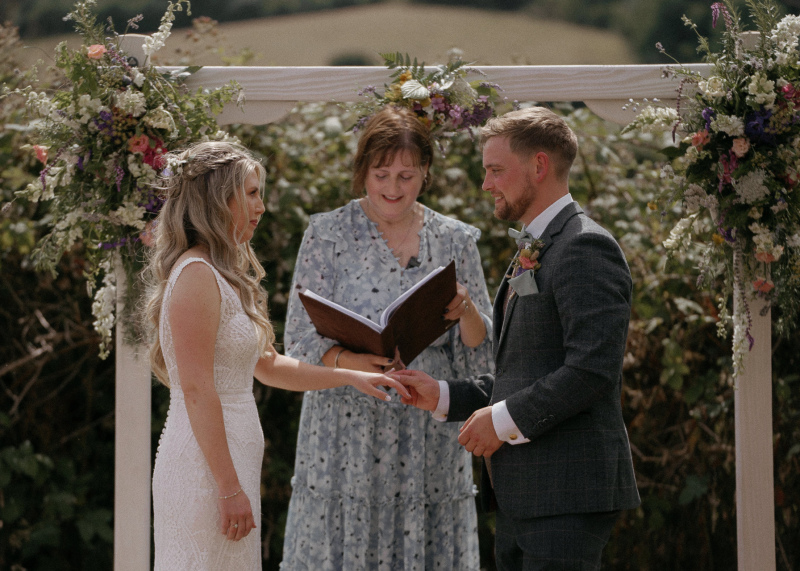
point(235, 526)
point(466, 305)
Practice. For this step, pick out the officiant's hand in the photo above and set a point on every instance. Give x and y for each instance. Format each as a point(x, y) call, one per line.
point(478, 434)
point(461, 308)
point(423, 388)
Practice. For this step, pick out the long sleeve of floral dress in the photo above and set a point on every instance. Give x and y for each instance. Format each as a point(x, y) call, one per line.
point(381, 485)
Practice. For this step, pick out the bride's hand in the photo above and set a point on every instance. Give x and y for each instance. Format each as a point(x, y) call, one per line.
point(368, 384)
point(236, 516)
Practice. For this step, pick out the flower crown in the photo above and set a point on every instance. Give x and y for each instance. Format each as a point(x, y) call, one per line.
point(442, 99)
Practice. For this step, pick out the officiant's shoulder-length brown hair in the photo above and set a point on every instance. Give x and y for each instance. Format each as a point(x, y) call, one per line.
point(197, 187)
point(392, 130)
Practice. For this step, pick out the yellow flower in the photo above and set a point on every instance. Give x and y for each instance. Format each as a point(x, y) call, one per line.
point(652, 206)
point(405, 76)
point(717, 239)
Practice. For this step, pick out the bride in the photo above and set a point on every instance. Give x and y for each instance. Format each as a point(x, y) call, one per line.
point(210, 335)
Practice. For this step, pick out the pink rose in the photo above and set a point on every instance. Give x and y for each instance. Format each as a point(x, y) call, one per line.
point(527, 263)
point(96, 51)
point(138, 143)
point(762, 285)
point(700, 138)
point(41, 153)
point(740, 147)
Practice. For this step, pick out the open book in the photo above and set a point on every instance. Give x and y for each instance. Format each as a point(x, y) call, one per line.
point(411, 322)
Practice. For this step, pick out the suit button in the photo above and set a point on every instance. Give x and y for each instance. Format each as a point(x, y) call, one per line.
point(500, 371)
point(512, 437)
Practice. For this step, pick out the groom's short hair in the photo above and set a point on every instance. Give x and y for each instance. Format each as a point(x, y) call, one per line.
point(536, 129)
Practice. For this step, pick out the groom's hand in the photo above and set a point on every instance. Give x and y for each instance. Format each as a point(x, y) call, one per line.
point(423, 388)
point(478, 435)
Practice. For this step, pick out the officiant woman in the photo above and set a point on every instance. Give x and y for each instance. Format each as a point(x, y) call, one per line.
point(383, 486)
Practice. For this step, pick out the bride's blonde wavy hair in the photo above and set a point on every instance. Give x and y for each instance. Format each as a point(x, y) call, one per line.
point(203, 180)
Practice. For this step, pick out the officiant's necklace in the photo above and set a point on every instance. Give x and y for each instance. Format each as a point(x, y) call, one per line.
point(412, 223)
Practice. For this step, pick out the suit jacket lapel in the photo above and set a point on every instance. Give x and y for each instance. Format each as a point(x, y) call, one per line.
point(553, 229)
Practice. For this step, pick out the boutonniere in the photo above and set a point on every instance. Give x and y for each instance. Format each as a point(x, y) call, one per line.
point(527, 257)
point(526, 262)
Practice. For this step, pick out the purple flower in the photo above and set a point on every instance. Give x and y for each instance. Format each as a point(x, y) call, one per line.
point(104, 123)
point(367, 90)
point(120, 176)
point(718, 8)
point(708, 115)
point(756, 127)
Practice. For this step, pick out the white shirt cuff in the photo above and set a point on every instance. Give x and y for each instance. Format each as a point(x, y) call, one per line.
point(504, 425)
point(443, 407)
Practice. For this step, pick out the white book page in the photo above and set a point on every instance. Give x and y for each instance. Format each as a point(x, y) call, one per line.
point(353, 314)
point(387, 313)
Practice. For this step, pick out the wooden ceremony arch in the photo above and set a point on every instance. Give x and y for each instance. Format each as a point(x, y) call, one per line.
point(270, 93)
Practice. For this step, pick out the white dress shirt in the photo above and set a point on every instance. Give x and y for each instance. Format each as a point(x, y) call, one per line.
point(504, 425)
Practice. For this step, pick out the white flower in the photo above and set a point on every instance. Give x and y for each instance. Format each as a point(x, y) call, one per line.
point(728, 124)
point(103, 309)
point(694, 198)
point(332, 126)
point(761, 90)
point(138, 78)
point(656, 119)
point(793, 241)
point(785, 35)
point(680, 237)
point(130, 214)
point(751, 188)
point(159, 118)
point(132, 102)
point(754, 213)
point(713, 87)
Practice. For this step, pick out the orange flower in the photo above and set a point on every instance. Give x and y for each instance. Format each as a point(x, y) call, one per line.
point(763, 285)
point(405, 76)
point(96, 51)
point(700, 138)
point(717, 239)
point(765, 257)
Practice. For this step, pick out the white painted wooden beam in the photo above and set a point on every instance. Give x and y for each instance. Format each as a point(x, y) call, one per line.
point(270, 91)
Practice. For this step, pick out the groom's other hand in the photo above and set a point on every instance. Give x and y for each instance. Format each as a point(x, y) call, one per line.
point(423, 388)
point(478, 434)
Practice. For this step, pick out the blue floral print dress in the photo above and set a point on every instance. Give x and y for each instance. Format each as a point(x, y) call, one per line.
point(381, 486)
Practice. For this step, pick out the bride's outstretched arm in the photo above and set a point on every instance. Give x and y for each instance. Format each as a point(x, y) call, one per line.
point(288, 373)
point(194, 313)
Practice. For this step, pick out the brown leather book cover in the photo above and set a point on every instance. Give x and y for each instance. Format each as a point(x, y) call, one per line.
point(413, 325)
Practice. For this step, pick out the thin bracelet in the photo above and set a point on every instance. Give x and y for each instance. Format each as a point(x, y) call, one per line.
point(232, 495)
point(336, 360)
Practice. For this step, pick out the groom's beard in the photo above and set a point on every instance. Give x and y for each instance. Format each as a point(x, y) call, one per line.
point(514, 211)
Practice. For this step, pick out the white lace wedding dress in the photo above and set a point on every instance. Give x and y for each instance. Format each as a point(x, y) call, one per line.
point(186, 517)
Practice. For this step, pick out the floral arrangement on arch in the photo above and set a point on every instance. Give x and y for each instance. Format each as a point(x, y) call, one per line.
point(102, 138)
point(736, 167)
point(443, 99)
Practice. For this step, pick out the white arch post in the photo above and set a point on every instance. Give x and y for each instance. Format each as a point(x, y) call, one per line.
point(271, 92)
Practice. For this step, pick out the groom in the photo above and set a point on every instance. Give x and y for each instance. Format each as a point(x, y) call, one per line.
point(548, 422)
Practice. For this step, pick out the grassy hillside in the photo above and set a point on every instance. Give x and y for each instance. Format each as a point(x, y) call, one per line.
point(428, 32)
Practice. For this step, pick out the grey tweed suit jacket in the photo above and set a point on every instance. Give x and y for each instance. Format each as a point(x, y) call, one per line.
point(558, 356)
